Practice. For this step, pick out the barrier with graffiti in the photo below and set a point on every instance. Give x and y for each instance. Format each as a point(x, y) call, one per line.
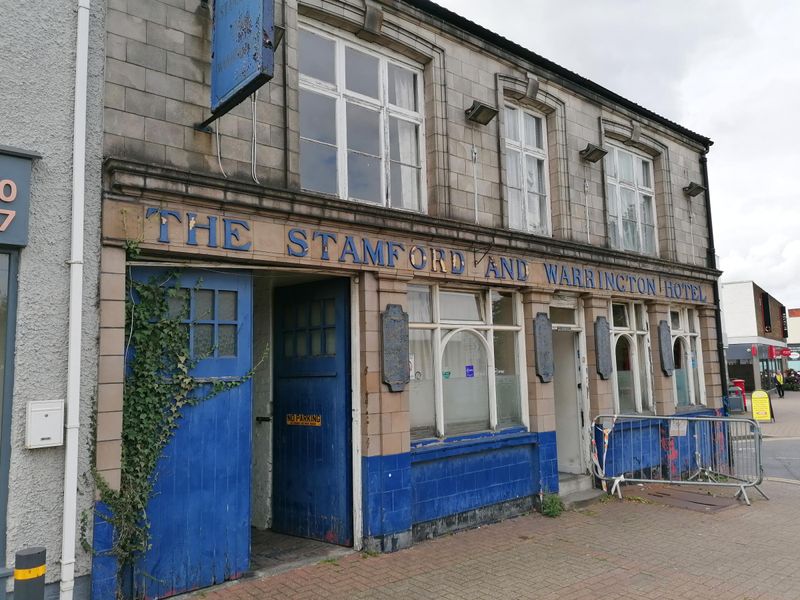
point(687, 450)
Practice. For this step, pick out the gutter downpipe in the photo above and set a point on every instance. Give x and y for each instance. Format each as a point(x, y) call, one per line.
point(712, 262)
point(75, 305)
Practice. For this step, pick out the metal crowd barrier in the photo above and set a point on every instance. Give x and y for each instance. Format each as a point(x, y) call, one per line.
point(708, 451)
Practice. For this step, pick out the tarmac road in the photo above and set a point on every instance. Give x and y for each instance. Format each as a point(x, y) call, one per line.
point(781, 457)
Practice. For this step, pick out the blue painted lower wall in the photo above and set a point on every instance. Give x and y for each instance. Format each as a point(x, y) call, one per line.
point(104, 566)
point(441, 478)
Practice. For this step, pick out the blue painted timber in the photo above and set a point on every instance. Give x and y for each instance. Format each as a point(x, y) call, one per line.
point(312, 473)
point(200, 511)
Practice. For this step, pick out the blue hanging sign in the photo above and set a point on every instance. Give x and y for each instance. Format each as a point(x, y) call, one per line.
point(15, 194)
point(243, 53)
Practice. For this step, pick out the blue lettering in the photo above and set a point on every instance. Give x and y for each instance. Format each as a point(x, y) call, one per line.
point(694, 293)
point(640, 285)
point(437, 260)
point(589, 278)
point(577, 280)
point(375, 254)
point(325, 237)
point(702, 297)
point(457, 269)
point(393, 249)
point(506, 267)
point(668, 289)
point(522, 270)
point(610, 284)
point(551, 271)
point(491, 267)
point(423, 258)
point(231, 234)
point(620, 283)
point(564, 279)
point(298, 238)
point(191, 237)
point(651, 286)
point(350, 250)
point(163, 228)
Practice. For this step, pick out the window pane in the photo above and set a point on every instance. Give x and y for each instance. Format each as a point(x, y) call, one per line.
point(361, 73)
point(421, 388)
point(641, 317)
point(533, 131)
point(613, 216)
point(625, 166)
point(363, 130)
point(611, 163)
point(317, 56)
point(404, 141)
point(364, 177)
point(227, 306)
point(534, 173)
point(647, 209)
point(507, 387)
point(301, 343)
point(318, 170)
point(204, 305)
point(227, 340)
point(203, 340)
point(644, 174)
point(620, 315)
point(405, 186)
point(513, 177)
point(330, 312)
point(419, 304)
point(316, 342)
point(502, 308)
point(625, 386)
point(644, 381)
point(316, 313)
point(516, 210)
point(465, 384)
point(649, 239)
point(630, 226)
point(177, 300)
point(680, 375)
point(690, 318)
point(675, 318)
point(330, 341)
point(460, 306)
point(512, 124)
point(402, 87)
point(562, 316)
point(317, 117)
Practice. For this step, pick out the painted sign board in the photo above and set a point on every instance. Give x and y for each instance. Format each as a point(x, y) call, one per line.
point(304, 420)
point(762, 411)
point(243, 53)
point(15, 194)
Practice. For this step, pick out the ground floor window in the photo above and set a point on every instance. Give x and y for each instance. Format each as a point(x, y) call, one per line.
point(630, 338)
point(465, 360)
point(688, 380)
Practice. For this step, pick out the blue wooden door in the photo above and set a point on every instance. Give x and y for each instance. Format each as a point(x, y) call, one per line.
point(312, 474)
point(200, 511)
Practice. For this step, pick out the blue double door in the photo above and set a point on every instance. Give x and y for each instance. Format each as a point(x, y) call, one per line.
point(200, 512)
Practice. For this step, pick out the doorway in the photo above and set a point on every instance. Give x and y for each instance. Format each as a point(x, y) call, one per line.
point(570, 417)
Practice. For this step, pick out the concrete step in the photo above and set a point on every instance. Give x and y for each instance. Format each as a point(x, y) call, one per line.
point(581, 499)
point(569, 483)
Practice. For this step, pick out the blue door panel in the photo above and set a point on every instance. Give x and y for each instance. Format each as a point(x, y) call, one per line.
point(312, 472)
point(200, 511)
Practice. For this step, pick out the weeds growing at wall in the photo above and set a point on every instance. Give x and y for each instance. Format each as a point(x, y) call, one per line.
point(159, 386)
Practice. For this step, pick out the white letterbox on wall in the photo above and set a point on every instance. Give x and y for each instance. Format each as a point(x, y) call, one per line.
point(44, 425)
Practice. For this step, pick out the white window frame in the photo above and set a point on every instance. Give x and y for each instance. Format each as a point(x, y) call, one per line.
point(525, 150)
point(614, 183)
point(696, 397)
point(339, 92)
point(485, 331)
point(643, 398)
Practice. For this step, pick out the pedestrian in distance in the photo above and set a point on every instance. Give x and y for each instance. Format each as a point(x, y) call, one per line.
point(779, 383)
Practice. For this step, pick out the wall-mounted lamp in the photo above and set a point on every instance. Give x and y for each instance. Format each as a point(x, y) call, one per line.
point(693, 189)
point(592, 153)
point(480, 113)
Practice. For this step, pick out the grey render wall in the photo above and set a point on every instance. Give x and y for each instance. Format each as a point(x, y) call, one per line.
point(158, 79)
point(37, 42)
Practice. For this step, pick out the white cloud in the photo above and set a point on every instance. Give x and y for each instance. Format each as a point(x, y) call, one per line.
point(724, 68)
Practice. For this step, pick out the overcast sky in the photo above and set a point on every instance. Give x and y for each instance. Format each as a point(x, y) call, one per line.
point(727, 69)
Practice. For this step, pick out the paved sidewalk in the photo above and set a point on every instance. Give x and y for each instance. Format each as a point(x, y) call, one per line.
point(616, 549)
point(787, 417)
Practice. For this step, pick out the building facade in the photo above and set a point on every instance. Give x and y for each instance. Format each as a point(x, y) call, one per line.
point(793, 339)
point(48, 327)
point(757, 327)
point(438, 254)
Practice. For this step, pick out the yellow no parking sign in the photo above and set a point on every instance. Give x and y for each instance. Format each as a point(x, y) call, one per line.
point(761, 407)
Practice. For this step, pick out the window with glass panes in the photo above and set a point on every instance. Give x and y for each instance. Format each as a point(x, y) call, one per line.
point(630, 339)
point(630, 200)
point(526, 170)
point(688, 379)
point(465, 361)
point(360, 124)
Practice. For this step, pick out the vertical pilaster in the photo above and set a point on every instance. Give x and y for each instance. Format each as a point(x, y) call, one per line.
point(711, 363)
point(663, 394)
point(601, 393)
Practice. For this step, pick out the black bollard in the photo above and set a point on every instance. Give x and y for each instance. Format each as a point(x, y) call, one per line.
point(29, 570)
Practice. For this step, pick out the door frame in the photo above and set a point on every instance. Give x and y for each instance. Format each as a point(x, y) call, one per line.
point(355, 407)
point(582, 373)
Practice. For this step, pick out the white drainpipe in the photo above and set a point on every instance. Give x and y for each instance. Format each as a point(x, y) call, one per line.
point(75, 306)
